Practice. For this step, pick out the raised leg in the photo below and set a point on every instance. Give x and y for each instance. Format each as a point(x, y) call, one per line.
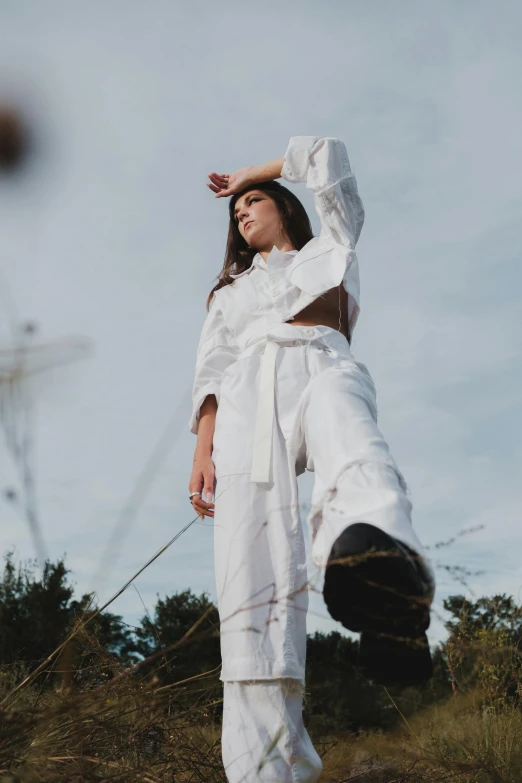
point(377, 579)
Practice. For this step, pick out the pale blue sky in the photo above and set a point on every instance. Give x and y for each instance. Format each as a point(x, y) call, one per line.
point(112, 235)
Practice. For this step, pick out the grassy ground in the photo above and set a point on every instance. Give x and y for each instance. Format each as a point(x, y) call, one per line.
point(127, 734)
point(100, 722)
point(458, 740)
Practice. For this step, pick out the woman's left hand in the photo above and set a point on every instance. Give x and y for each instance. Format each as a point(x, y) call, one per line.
point(228, 184)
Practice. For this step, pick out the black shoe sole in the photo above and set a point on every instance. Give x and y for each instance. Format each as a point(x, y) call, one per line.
point(375, 586)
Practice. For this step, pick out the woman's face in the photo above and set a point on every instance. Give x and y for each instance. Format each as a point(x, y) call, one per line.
point(258, 220)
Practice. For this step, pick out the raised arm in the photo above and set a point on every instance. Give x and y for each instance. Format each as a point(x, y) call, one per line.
point(330, 259)
point(323, 164)
point(228, 184)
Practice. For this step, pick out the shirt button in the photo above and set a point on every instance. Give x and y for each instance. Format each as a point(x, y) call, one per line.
point(310, 331)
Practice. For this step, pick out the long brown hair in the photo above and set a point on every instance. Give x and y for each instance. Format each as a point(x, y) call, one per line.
point(296, 226)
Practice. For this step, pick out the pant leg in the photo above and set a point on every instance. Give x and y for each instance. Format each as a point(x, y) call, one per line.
point(263, 737)
point(356, 477)
point(259, 551)
point(261, 580)
point(261, 583)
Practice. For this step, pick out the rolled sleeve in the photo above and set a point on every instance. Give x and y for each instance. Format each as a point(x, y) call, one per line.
point(297, 158)
point(217, 350)
point(323, 164)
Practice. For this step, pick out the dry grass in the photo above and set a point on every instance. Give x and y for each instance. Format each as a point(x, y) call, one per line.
point(108, 723)
point(83, 718)
point(461, 740)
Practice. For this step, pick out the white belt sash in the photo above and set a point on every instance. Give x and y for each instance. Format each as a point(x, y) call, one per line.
point(260, 471)
point(284, 334)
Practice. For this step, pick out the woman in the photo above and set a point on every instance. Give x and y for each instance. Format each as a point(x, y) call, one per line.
point(277, 390)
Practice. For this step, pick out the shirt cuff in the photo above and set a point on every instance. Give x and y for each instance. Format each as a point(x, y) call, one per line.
point(297, 158)
point(210, 388)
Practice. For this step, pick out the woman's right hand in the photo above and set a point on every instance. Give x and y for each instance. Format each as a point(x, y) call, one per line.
point(228, 184)
point(202, 480)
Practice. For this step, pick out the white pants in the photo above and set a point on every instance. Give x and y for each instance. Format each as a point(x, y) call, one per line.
point(325, 421)
point(264, 739)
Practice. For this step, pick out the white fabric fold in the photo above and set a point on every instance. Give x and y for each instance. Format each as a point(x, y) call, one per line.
point(268, 345)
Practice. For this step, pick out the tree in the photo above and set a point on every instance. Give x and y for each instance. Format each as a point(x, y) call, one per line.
point(173, 617)
point(499, 614)
point(36, 614)
point(483, 649)
point(341, 698)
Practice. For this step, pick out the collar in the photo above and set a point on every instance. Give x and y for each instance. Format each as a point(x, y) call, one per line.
point(259, 261)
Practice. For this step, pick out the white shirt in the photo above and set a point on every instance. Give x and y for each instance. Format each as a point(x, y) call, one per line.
point(273, 292)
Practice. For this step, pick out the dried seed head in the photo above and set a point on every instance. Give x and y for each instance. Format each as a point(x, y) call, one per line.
point(13, 138)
